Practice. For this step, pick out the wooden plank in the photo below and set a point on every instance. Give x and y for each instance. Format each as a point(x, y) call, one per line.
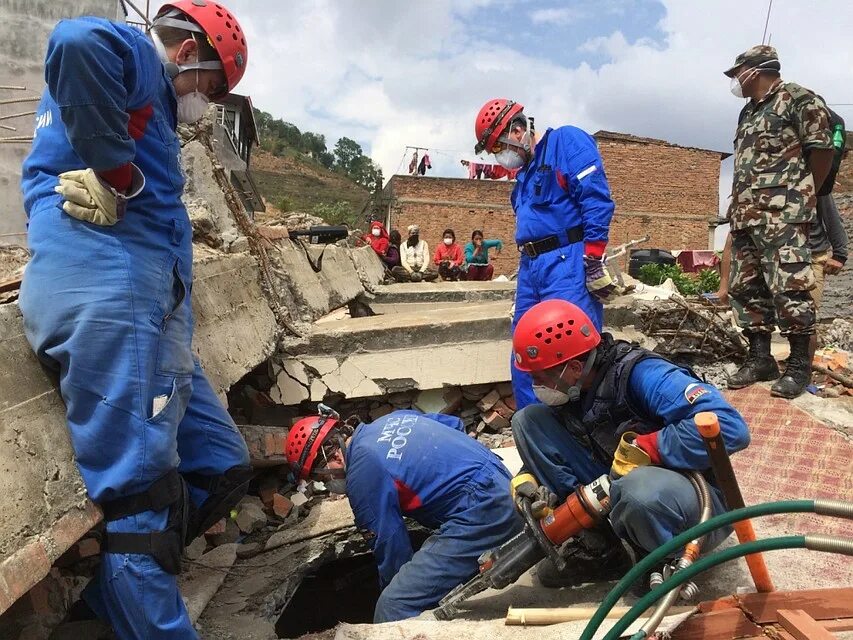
point(723, 624)
point(10, 284)
point(820, 604)
point(802, 626)
point(843, 624)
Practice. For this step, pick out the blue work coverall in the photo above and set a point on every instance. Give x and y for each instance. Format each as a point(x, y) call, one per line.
point(562, 188)
point(108, 307)
point(425, 467)
point(652, 504)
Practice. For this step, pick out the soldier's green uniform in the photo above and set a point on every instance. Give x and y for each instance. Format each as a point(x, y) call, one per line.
point(773, 203)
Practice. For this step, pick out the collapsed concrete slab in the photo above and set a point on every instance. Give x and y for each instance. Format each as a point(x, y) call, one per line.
point(404, 292)
point(422, 349)
point(235, 329)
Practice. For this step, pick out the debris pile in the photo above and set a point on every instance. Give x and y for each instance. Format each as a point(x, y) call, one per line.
point(691, 332)
point(13, 259)
point(833, 376)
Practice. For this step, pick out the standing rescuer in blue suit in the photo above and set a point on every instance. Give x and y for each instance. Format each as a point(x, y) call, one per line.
point(422, 466)
point(562, 210)
point(594, 389)
point(106, 296)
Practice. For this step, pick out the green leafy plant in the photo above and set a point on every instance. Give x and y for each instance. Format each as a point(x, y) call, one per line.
point(656, 274)
point(284, 205)
point(340, 212)
point(708, 280)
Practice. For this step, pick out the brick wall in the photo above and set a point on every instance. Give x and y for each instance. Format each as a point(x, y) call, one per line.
point(661, 190)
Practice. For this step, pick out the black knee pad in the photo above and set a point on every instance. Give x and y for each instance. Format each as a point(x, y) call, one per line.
point(224, 491)
point(166, 546)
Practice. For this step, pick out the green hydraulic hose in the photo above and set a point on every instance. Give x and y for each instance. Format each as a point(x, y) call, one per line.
point(812, 542)
point(823, 507)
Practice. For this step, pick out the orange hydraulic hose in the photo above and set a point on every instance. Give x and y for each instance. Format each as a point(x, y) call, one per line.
point(709, 428)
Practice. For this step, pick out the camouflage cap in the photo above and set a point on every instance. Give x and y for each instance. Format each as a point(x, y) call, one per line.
point(756, 55)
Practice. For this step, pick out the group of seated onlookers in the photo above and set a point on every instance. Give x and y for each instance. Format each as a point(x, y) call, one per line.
point(409, 261)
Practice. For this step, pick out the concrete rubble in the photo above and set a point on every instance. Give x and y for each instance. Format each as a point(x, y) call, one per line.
point(277, 333)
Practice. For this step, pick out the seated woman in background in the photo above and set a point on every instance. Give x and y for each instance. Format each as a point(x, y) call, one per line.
point(449, 257)
point(392, 255)
point(477, 256)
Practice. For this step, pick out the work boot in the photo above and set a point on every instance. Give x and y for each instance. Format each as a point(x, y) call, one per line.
point(798, 372)
point(759, 364)
point(594, 555)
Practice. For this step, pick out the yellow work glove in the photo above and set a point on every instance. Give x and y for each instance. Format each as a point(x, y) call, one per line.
point(525, 487)
point(89, 198)
point(599, 281)
point(628, 456)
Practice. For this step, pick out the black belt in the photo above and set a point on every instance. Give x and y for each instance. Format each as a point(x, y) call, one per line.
point(538, 247)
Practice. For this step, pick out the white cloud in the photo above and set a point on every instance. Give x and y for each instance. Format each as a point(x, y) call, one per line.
point(562, 16)
point(390, 74)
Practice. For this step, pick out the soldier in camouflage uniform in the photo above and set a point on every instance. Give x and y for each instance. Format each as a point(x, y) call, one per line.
point(783, 152)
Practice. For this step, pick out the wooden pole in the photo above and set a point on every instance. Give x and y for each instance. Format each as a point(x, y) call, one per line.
point(554, 615)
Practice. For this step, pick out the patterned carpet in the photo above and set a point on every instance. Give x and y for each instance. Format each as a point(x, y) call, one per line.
point(793, 455)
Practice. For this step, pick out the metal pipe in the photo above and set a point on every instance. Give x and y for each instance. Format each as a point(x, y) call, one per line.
point(17, 115)
point(690, 554)
point(17, 100)
point(709, 428)
point(828, 544)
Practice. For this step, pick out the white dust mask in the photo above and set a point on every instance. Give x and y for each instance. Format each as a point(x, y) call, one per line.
point(192, 106)
point(448, 241)
point(509, 159)
point(549, 396)
point(376, 232)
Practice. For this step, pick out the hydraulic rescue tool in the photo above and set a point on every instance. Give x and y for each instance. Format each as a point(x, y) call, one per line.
point(540, 539)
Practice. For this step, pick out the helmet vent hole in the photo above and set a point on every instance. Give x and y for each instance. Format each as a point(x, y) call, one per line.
point(243, 41)
point(558, 336)
point(219, 13)
point(547, 340)
point(230, 17)
point(539, 335)
point(568, 332)
point(234, 35)
point(227, 24)
point(237, 27)
point(571, 322)
point(549, 329)
point(559, 325)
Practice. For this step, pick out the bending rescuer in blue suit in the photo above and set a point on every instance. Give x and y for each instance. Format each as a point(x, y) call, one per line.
point(594, 389)
point(562, 209)
point(106, 296)
point(422, 466)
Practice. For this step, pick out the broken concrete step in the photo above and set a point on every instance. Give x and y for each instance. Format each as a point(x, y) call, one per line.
point(404, 292)
point(467, 323)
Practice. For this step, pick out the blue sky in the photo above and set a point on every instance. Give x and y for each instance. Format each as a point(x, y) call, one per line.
point(389, 74)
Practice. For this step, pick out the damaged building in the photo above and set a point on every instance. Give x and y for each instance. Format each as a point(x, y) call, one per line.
point(283, 324)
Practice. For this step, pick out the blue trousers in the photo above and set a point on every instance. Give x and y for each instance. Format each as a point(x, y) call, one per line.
point(111, 313)
point(650, 505)
point(558, 274)
point(485, 519)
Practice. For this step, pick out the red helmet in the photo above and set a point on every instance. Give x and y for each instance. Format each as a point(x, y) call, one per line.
point(221, 28)
point(550, 333)
point(304, 441)
point(493, 118)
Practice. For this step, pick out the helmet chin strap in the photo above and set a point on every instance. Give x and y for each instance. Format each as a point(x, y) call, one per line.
point(172, 68)
point(574, 392)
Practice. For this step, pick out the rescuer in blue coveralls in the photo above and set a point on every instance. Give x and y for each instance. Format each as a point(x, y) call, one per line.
point(106, 296)
point(593, 389)
point(562, 210)
point(422, 466)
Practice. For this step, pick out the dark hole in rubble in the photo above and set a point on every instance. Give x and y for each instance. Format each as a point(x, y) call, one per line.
point(341, 590)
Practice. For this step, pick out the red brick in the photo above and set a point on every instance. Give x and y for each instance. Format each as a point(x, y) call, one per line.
point(510, 402)
point(20, 571)
point(488, 401)
point(503, 409)
point(281, 506)
point(495, 421)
